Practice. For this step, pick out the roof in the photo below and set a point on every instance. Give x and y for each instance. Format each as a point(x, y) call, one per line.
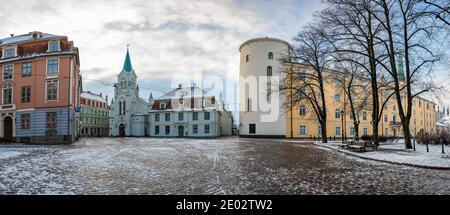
point(261, 39)
point(92, 96)
point(26, 38)
point(127, 67)
point(185, 92)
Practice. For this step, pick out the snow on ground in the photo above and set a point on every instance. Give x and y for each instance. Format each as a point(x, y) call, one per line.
point(395, 152)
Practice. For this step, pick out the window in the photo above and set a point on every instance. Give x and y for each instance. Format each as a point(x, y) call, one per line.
point(52, 90)
point(162, 106)
point(338, 131)
point(385, 118)
point(247, 58)
point(7, 94)
point(365, 131)
point(364, 115)
point(195, 116)
point(180, 116)
point(167, 117)
point(249, 105)
point(337, 97)
point(252, 129)
point(53, 46)
point(9, 53)
point(51, 120)
point(269, 71)
point(195, 129)
point(120, 108)
point(270, 56)
point(394, 107)
point(25, 119)
point(302, 130)
point(167, 130)
point(157, 117)
point(302, 77)
point(207, 116)
point(337, 113)
point(26, 69)
point(124, 107)
point(26, 94)
point(352, 131)
point(8, 72)
point(157, 130)
point(302, 111)
point(52, 67)
point(386, 132)
point(337, 83)
point(207, 129)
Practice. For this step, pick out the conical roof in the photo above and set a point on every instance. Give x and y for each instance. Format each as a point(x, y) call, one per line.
point(127, 67)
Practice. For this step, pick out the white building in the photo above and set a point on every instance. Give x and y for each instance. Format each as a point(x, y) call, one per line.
point(129, 113)
point(259, 59)
point(189, 112)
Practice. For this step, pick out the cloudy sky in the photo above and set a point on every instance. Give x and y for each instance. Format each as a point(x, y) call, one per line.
point(170, 40)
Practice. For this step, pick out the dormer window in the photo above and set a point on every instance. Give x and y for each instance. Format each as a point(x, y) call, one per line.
point(9, 53)
point(162, 106)
point(53, 46)
point(36, 34)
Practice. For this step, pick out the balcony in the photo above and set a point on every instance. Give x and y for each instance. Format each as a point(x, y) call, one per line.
point(396, 124)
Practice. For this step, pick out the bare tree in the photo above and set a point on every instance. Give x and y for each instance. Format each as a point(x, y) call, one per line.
point(439, 9)
point(406, 43)
point(305, 73)
point(353, 29)
point(352, 85)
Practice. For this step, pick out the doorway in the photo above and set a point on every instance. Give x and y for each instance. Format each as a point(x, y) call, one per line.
point(122, 130)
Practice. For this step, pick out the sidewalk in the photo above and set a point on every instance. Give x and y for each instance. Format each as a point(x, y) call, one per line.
point(395, 152)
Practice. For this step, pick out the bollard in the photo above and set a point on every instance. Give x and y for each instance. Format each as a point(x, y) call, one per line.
point(414, 143)
point(442, 142)
point(428, 150)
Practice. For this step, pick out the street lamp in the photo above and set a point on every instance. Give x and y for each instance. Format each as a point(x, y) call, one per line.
point(342, 119)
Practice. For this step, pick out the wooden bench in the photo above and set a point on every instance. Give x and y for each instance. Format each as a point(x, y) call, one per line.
point(345, 145)
point(357, 148)
point(369, 144)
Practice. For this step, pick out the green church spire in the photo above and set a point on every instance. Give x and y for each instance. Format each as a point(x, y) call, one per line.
point(400, 73)
point(127, 65)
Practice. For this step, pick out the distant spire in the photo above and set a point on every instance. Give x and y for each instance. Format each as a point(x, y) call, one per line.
point(127, 67)
point(150, 98)
point(112, 101)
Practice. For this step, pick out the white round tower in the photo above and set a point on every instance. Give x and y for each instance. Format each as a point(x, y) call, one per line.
point(260, 60)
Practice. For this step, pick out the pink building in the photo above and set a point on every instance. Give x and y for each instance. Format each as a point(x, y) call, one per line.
point(41, 85)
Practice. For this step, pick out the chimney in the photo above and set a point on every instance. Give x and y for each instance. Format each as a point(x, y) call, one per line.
point(101, 94)
point(12, 35)
point(192, 96)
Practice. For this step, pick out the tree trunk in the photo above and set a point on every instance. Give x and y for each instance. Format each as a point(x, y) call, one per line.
point(323, 126)
point(356, 124)
point(407, 135)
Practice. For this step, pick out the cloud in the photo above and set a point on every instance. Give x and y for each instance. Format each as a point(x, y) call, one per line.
point(171, 40)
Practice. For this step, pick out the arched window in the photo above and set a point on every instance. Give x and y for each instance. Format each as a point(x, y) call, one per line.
point(302, 110)
point(269, 71)
point(270, 56)
point(364, 115)
point(249, 105)
point(394, 118)
point(337, 113)
point(385, 118)
point(247, 58)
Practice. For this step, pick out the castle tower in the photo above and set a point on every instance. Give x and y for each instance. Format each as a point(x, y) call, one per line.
point(259, 60)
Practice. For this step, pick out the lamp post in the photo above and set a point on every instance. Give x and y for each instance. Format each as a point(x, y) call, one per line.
point(342, 119)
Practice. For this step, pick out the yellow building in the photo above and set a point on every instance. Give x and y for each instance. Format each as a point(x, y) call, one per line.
point(302, 122)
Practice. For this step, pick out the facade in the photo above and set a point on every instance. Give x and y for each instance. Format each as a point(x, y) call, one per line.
point(128, 112)
point(94, 115)
point(261, 58)
point(301, 121)
point(41, 84)
point(189, 112)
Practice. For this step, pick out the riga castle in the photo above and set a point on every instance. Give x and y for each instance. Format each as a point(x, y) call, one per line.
point(260, 57)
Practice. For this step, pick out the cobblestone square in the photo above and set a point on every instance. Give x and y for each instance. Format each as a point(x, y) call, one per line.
point(207, 166)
